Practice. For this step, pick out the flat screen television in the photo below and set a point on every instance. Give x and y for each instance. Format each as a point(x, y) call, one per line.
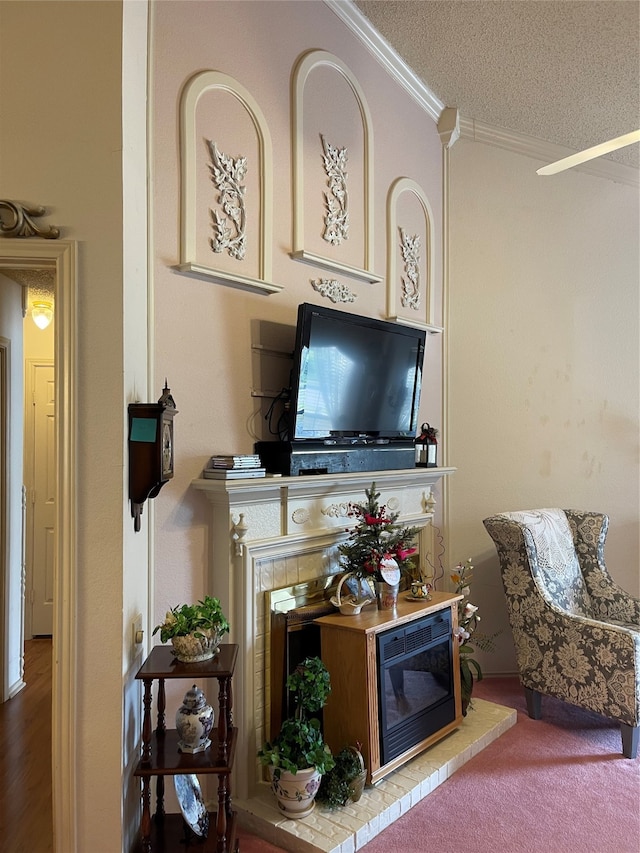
point(354, 379)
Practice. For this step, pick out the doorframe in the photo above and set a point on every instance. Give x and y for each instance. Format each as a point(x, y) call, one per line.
point(5, 355)
point(62, 257)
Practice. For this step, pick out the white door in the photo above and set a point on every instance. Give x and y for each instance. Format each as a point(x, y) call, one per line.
point(41, 500)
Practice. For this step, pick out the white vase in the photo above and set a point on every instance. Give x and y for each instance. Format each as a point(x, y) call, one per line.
point(194, 722)
point(295, 792)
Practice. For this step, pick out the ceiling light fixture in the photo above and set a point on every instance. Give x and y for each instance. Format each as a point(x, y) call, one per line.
point(590, 153)
point(42, 314)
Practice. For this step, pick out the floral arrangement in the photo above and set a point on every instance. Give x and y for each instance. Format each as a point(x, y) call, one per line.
point(377, 541)
point(468, 620)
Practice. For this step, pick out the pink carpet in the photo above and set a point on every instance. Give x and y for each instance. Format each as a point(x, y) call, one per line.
point(553, 785)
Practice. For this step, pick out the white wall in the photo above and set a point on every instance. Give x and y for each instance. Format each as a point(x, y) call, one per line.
point(11, 333)
point(204, 330)
point(61, 145)
point(544, 355)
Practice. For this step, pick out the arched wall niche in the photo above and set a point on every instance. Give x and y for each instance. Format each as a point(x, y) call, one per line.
point(337, 256)
point(217, 113)
point(410, 256)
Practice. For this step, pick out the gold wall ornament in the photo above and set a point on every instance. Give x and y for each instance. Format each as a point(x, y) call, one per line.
point(21, 224)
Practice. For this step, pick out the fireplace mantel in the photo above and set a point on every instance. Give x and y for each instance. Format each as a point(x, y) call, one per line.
point(266, 533)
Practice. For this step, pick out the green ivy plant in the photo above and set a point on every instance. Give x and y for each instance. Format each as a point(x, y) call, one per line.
point(193, 619)
point(336, 786)
point(299, 743)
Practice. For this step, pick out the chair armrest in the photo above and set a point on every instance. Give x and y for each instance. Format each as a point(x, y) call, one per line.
point(581, 660)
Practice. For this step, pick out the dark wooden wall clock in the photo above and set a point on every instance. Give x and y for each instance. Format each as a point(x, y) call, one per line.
point(151, 451)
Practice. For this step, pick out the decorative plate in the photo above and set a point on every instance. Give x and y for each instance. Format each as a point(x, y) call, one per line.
point(191, 804)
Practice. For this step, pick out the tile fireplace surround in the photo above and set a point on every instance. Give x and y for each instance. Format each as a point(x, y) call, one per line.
point(272, 532)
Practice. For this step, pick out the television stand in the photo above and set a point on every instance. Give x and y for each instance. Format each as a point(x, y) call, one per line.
point(293, 459)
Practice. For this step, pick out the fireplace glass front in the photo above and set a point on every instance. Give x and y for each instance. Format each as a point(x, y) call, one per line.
point(415, 683)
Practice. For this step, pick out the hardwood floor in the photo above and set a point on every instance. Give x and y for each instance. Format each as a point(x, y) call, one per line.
point(26, 823)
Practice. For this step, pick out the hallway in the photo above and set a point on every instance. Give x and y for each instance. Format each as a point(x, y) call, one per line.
point(26, 824)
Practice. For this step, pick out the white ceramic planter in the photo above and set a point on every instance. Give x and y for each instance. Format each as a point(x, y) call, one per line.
point(295, 792)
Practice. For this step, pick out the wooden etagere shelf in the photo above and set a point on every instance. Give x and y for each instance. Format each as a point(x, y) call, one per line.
point(161, 833)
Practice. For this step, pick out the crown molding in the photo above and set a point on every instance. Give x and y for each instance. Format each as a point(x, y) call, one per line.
point(547, 152)
point(519, 143)
point(393, 63)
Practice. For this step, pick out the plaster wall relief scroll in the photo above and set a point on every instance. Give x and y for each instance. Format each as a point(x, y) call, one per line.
point(226, 203)
point(410, 256)
point(332, 161)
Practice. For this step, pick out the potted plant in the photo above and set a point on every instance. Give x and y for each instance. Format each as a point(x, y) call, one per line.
point(298, 756)
point(470, 669)
point(195, 630)
point(378, 548)
point(345, 781)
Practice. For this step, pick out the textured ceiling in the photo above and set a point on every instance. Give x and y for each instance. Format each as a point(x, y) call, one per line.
point(565, 71)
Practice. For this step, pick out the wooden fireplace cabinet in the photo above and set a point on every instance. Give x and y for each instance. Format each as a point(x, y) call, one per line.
point(349, 651)
point(161, 757)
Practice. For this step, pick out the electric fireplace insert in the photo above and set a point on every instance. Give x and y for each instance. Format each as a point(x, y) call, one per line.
point(415, 682)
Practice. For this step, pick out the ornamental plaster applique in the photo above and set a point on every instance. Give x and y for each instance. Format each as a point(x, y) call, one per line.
point(340, 510)
point(300, 515)
point(410, 247)
point(229, 230)
point(337, 219)
point(333, 290)
point(238, 532)
point(21, 223)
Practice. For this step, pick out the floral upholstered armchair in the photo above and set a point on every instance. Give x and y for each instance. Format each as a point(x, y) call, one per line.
point(576, 634)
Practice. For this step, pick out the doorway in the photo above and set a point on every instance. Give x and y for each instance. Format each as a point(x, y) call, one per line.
point(40, 493)
point(60, 257)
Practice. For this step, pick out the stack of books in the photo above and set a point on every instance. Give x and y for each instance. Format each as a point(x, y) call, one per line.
point(226, 467)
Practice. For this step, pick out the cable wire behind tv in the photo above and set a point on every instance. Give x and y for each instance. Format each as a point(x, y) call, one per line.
point(281, 427)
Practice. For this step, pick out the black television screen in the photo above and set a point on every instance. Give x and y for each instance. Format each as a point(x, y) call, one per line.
point(354, 377)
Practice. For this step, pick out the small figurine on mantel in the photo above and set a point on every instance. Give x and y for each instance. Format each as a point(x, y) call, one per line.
point(427, 447)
